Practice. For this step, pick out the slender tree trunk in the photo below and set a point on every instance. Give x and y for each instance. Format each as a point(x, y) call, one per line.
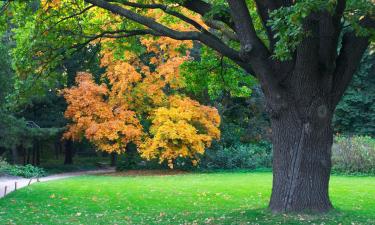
point(28, 156)
point(38, 152)
point(34, 156)
point(14, 155)
point(302, 140)
point(57, 148)
point(113, 159)
point(69, 152)
point(24, 155)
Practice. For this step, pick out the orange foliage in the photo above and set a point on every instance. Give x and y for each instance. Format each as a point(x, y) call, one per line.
point(110, 117)
point(110, 127)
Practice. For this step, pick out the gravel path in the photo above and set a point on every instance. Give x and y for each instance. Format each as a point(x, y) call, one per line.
point(10, 182)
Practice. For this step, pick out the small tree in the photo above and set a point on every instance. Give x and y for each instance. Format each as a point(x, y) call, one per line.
point(110, 115)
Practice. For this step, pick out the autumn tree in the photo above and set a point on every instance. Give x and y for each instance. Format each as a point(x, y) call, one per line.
point(304, 54)
point(109, 115)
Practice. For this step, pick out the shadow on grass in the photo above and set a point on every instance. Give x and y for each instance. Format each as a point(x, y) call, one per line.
point(265, 216)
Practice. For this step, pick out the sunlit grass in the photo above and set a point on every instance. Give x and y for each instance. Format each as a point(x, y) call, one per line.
point(219, 198)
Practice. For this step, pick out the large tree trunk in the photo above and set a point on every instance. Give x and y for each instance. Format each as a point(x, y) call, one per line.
point(302, 141)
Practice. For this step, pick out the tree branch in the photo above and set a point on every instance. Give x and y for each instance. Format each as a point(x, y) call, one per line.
point(329, 31)
point(121, 34)
point(164, 8)
point(220, 26)
point(263, 8)
point(250, 42)
point(252, 48)
point(70, 17)
point(353, 48)
point(203, 8)
point(351, 53)
point(4, 6)
point(254, 51)
point(204, 37)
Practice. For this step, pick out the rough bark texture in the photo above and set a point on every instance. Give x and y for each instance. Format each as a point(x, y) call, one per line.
point(302, 160)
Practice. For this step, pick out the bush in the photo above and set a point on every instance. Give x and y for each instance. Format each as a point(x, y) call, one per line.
point(27, 171)
point(4, 165)
point(132, 160)
point(238, 156)
point(354, 154)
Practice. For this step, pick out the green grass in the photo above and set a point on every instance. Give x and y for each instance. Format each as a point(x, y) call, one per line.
point(217, 198)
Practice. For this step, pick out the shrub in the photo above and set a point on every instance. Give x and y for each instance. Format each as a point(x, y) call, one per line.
point(354, 154)
point(238, 156)
point(4, 165)
point(27, 171)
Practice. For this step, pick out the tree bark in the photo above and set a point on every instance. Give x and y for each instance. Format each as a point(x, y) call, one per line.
point(69, 152)
point(28, 156)
point(38, 152)
point(14, 155)
point(302, 139)
point(113, 159)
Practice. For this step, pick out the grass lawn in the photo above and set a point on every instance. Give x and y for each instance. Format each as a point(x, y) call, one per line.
point(218, 198)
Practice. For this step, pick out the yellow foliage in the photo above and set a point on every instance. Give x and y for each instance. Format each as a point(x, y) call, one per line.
point(182, 129)
point(47, 4)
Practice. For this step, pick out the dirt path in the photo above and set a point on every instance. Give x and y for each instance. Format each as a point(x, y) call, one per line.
point(9, 183)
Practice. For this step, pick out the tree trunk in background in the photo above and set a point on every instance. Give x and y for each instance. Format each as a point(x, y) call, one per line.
point(24, 153)
point(14, 155)
point(113, 159)
point(302, 160)
point(28, 156)
point(38, 152)
point(69, 152)
point(57, 146)
point(21, 154)
point(34, 156)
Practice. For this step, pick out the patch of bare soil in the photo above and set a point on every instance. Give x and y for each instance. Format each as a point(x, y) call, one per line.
point(145, 173)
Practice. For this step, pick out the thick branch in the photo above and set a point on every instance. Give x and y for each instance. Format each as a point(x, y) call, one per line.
point(250, 42)
point(204, 37)
point(253, 49)
point(220, 26)
point(202, 8)
point(146, 21)
point(164, 8)
point(215, 24)
point(353, 48)
point(329, 31)
point(263, 8)
point(121, 34)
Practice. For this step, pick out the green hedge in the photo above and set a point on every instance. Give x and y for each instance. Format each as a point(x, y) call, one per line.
point(238, 156)
point(353, 155)
point(350, 155)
